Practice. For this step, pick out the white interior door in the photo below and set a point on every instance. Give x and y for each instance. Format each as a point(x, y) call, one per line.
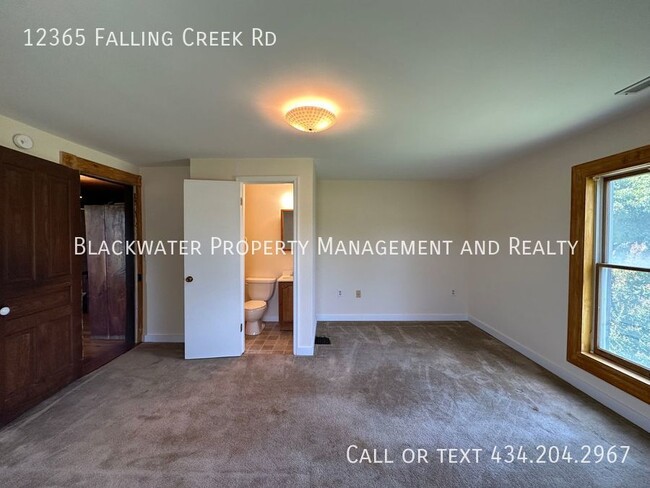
point(214, 282)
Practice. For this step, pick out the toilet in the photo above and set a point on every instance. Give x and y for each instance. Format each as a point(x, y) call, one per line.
point(259, 291)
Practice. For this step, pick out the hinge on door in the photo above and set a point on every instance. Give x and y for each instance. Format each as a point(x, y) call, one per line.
point(241, 327)
point(241, 201)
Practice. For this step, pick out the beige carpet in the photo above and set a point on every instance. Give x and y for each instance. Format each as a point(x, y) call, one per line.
point(152, 419)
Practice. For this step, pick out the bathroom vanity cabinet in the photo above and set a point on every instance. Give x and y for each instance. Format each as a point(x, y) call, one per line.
point(285, 302)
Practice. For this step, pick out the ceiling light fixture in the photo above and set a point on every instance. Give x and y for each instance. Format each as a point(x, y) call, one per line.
point(310, 117)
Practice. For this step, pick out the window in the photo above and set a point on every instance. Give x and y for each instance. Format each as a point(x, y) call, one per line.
point(622, 331)
point(609, 276)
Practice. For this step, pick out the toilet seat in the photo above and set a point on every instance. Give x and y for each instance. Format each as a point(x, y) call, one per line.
point(254, 304)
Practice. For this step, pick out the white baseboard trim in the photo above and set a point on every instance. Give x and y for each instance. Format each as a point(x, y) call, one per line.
point(164, 338)
point(397, 317)
point(305, 351)
point(623, 410)
point(174, 338)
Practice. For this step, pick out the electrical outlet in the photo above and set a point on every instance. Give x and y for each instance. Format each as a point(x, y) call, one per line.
point(453, 292)
point(339, 293)
point(358, 293)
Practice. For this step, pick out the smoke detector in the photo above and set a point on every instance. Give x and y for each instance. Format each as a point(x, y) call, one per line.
point(23, 141)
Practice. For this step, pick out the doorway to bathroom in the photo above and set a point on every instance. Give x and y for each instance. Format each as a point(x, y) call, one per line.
point(269, 264)
point(215, 280)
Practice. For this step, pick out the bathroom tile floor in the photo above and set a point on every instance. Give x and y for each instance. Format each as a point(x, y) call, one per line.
point(272, 340)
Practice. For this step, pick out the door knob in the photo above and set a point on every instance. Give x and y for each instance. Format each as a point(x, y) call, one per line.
point(189, 279)
point(5, 311)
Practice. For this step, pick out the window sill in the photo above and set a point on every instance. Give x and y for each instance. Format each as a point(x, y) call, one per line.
point(614, 374)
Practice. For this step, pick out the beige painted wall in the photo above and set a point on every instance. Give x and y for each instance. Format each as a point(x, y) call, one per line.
point(47, 146)
point(392, 287)
point(523, 300)
point(303, 170)
point(163, 220)
point(262, 217)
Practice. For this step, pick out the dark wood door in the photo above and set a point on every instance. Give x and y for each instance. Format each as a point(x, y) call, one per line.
point(107, 281)
point(40, 337)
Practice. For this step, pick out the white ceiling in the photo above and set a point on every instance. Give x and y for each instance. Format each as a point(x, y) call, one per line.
point(427, 89)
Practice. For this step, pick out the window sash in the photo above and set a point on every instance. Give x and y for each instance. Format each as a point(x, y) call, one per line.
point(598, 323)
point(602, 221)
point(601, 258)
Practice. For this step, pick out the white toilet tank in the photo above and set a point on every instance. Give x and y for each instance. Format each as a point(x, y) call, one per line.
point(260, 288)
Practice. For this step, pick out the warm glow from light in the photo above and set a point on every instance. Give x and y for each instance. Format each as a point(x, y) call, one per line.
point(315, 89)
point(286, 201)
point(311, 102)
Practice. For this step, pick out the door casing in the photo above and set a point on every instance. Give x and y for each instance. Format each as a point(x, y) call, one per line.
point(97, 170)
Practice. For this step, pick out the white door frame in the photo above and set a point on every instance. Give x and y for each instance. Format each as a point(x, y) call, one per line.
point(296, 255)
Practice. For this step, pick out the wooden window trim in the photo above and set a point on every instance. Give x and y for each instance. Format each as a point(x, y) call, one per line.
point(582, 269)
point(91, 168)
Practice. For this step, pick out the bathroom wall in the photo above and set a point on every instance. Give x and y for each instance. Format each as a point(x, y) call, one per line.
point(263, 204)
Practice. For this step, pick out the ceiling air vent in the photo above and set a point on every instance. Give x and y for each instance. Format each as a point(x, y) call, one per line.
point(636, 87)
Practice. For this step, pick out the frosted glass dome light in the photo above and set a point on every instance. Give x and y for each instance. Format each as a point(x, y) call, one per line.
point(310, 118)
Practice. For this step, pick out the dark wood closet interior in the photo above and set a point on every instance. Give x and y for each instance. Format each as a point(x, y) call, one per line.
point(107, 278)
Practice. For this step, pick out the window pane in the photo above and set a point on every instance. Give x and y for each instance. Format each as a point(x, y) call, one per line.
point(628, 221)
point(624, 314)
